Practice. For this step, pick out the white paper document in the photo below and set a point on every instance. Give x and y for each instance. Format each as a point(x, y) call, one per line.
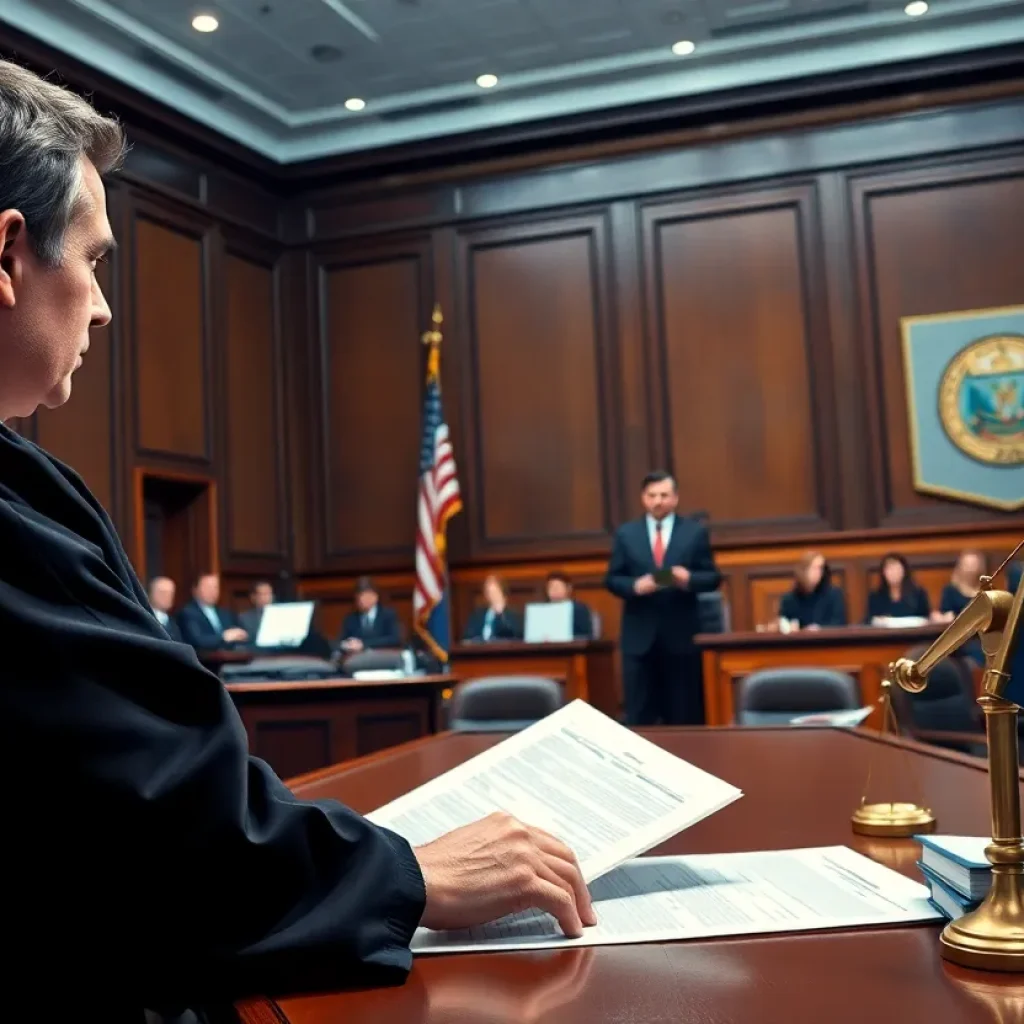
point(664, 899)
point(603, 790)
point(838, 719)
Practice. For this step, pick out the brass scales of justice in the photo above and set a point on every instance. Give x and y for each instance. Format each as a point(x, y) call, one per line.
point(991, 937)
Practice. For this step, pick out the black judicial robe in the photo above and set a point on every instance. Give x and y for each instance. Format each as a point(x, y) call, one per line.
point(148, 860)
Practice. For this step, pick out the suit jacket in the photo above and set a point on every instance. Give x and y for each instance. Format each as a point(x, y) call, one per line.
point(582, 621)
point(171, 628)
point(385, 631)
point(669, 617)
point(212, 879)
point(250, 621)
point(507, 626)
point(197, 630)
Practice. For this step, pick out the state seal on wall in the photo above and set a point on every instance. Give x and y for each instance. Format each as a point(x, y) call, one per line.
point(981, 400)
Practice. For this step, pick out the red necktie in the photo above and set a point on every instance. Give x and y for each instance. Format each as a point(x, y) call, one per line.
point(659, 546)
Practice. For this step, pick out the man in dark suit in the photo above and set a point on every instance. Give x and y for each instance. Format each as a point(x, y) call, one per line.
point(558, 587)
point(659, 564)
point(205, 625)
point(161, 599)
point(371, 625)
point(261, 593)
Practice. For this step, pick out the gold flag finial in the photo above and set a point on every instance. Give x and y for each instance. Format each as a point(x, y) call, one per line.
point(433, 339)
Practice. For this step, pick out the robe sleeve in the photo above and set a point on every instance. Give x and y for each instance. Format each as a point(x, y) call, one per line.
point(145, 851)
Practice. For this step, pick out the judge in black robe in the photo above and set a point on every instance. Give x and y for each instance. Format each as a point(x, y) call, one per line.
point(148, 859)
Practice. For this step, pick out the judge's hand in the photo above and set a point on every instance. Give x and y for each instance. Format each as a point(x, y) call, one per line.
point(234, 635)
point(353, 645)
point(681, 575)
point(498, 866)
point(645, 585)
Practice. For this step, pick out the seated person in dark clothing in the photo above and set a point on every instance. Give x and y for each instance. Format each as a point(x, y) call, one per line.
point(204, 624)
point(371, 625)
point(813, 602)
point(161, 600)
point(494, 621)
point(958, 594)
point(181, 870)
point(559, 588)
point(897, 595)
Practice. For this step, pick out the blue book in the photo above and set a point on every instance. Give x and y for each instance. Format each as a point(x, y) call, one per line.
point(950, 903)
point(959, 861)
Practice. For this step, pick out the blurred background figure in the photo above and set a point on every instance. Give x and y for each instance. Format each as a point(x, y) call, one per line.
point(494, 620)
point(813, 602)
point(372, 624)
point(897, 596)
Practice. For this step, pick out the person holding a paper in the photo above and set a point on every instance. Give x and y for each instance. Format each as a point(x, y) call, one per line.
point(146, 852)
point(659, 564)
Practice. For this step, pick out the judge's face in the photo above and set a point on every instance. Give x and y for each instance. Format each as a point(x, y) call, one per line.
point(558, 590)
point(262, 595)
point(46, 312)
point(365, 600)
point(660, 499)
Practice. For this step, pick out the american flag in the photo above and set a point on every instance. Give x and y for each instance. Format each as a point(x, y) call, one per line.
point(439, 499)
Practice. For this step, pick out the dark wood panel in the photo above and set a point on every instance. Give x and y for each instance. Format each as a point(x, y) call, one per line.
point(543, 439)
point(254, 441)
point(171, 365)
point(81, 432)
point(373, 308)
point(736, 311)
point(929, 240)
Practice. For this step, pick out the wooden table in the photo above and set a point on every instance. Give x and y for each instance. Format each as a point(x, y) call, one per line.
point(863, 651)
point(297, 727)
point(588, 667)
point(800, 786)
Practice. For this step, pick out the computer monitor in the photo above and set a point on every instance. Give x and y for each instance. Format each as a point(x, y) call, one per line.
point(285, 625)
point(548, 622)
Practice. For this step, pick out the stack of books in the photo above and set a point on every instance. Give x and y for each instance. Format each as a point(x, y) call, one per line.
point(956, 871)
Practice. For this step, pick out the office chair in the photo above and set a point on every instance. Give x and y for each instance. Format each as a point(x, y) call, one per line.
point(776, 696)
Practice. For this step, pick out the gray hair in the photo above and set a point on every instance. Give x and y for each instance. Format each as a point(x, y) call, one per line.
point(45, 130)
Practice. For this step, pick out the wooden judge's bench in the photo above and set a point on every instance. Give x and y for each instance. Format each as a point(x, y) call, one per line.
point(800, 787)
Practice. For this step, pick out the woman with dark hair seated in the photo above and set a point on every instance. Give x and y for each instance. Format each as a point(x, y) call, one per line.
point(897, 595)
point(813, 602)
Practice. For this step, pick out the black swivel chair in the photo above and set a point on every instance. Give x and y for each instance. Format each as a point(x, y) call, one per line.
point(945, 706)
point(776, 696)
point(502, 703)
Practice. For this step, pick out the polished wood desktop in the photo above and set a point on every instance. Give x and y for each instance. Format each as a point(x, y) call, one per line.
point(800, 786)
point(587, 666)
point(863, 651)
point(299, 727)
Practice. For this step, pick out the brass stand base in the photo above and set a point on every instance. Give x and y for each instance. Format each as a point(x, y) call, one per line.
point(990, 938)
point(894, 820)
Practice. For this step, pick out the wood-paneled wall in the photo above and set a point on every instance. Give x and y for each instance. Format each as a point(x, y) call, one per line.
point(728, 309)
point(723, 303)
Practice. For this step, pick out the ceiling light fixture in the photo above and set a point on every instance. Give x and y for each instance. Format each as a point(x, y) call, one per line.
point(683, 48)
point(916, 8)
point(205, 23)
point(487, 81)
point(355, 103)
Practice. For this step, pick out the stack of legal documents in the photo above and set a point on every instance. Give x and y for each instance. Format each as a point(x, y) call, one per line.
point(612, 795)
